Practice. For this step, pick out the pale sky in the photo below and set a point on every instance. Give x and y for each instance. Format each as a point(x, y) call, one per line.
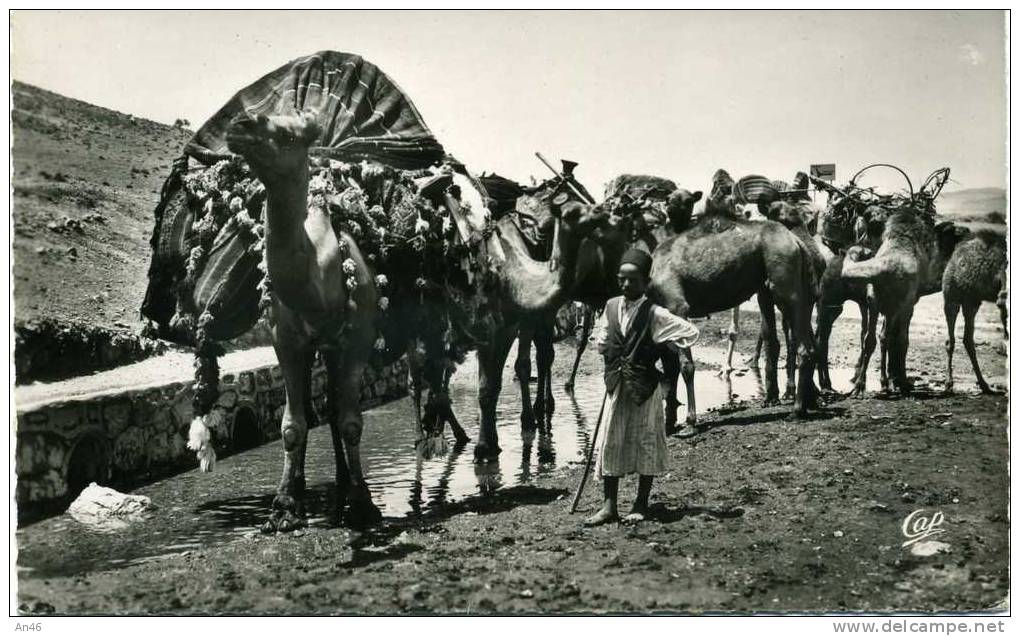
point(675, 94)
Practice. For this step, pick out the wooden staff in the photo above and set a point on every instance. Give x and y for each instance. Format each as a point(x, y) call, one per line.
point(591, 454)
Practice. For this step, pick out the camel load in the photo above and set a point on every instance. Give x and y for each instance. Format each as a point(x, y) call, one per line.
point(849, 204)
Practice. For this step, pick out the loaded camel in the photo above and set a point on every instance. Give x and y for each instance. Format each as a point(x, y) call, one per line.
point(311, 310)
point(910, 263)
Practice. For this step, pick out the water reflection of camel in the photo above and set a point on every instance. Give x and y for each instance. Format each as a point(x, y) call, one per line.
point(546, 455)
point(438, 493)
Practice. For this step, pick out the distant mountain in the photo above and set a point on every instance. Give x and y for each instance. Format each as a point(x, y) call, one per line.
point(972, 202)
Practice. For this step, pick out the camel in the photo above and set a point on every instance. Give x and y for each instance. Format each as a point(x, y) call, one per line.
point(529, 291)
point(909, 264)
point(796, 218)
point(595, 282)
point(720, 261)
point(312, 309)
point(975, 273)
point(836, 290)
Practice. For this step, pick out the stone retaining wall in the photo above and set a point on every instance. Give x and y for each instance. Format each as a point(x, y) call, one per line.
point(132, 437)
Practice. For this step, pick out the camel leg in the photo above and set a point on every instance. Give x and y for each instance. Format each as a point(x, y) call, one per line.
point(883, 364)
point(459, 434)
point(865, 312)
point(790, 337)
point(754, 360)
point(545, 355)
point(491, 357)
point(295, 358)
point(951, 310)
point(803, 339)
point(827, 315)
point(587, 324)
point(687, 370)
point(522, 367)
point(415, 372)
point(332, 360)
point(734, 330)
point(969, 311)
point(870, 339)
point(898, 338)
point(349, 378)
point(771, 340)
point(671, 371)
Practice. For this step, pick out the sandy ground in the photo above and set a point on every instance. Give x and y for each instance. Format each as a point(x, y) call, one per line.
point(758, 514)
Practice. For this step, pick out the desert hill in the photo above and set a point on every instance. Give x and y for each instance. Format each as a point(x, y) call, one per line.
point(86, 180)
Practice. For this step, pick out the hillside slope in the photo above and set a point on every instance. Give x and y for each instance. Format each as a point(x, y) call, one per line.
point(86, 180)
point(972, 202)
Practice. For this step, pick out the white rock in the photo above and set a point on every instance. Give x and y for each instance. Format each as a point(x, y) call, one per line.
point(929, 548)
point(98, 505)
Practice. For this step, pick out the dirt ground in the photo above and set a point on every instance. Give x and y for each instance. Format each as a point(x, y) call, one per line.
point(759, 514)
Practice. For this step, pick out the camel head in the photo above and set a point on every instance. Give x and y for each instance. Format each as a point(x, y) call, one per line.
point(789, 214)
point(870, 224)
point(680, 208)
point(577, 220)
point(275, 147)
point(947, 236)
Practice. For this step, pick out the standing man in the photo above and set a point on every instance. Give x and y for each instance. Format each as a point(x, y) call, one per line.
point(629, 335)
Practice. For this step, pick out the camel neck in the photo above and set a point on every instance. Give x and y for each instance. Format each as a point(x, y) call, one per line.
point(287, 242)
point(287, 209)
point(567, 246)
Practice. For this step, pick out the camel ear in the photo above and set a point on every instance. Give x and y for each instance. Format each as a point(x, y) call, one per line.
point(696, 196)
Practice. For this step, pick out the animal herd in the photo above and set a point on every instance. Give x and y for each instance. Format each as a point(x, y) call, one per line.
point(703, 264)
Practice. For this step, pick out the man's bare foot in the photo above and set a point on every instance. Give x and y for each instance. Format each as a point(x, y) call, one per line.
point(603, 516)
point(637, 514)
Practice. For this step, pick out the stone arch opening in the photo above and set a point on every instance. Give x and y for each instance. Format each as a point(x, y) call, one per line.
point(89, 462)
point(247, 433)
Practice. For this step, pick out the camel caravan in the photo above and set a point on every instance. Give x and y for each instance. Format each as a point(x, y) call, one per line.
point(317, 199)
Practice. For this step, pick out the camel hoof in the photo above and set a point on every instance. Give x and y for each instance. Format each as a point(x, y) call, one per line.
point(363, 513)
point(797, 415)
point(288, 522)
point(789, 394)
point(282, 521)
point(485, 453)
point(771, 401)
